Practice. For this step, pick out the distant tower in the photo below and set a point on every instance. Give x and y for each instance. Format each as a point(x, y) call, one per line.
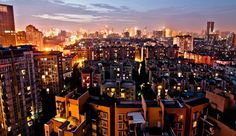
point(210, 28)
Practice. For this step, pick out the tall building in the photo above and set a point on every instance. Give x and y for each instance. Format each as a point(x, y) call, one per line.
point(234, 40)
point(158, 34)
point(184, 42)
point(210, 29)
point(20, 104)
point(50, 72)
point(21, 38)
point(7, 26)
point(34, 37)
point(168, 33)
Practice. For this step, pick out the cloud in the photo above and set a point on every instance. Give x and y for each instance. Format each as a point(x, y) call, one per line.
point(75, 18)
point(68, 17)
point(65, 3)
point(105, 6)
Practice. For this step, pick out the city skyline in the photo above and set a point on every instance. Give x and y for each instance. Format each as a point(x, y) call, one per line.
point(180, 15)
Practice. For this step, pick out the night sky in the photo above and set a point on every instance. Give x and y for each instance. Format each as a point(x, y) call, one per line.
point(185, 15)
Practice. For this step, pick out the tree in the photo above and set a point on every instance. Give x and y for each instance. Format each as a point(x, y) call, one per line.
point(74, 82)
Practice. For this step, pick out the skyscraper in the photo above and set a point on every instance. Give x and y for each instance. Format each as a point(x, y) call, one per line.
point(7, 26)
point(34, 36)
point(210, 29)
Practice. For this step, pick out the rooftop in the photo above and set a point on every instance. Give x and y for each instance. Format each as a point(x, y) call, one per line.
point(129, 104)
point(197, 102)
point(228, 117)
point(172, 104)
point(108, 102)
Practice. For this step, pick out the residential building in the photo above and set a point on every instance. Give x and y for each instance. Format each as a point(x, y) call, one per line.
point(20, 103)
point(49, 70)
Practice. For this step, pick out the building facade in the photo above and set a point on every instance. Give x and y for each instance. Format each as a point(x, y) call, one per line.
point(50, 73)
point(20, 104)
point(7, 26)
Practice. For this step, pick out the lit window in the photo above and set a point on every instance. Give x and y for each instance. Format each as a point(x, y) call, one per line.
point(179, 74)
point(47, 90)
point(113, 90)
point(194, 124)
point(198, 88)
point(159, 92)
point(122, 95)
point(159, 87)
point(180, 117)
point(9, 128)
point(23, 72)
point(178, 88)
point(3, 9)
point(28, 88)
point(166, 91)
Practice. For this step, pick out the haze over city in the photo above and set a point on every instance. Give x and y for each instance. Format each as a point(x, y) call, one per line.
point(180, 15)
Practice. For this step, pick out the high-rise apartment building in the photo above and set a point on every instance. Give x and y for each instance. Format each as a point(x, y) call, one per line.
point(34, 37)
point(21, 38)
point(184, 42)
point(50, 73)
point(7, 26)
point(20, 104)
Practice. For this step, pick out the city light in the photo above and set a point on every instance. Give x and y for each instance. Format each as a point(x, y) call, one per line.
point(117, 68)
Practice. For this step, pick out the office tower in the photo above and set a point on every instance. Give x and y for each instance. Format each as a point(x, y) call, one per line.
point(49, 70)
point(210, 29)
point(7, 26)
point(34, 37)
point(20, 104)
